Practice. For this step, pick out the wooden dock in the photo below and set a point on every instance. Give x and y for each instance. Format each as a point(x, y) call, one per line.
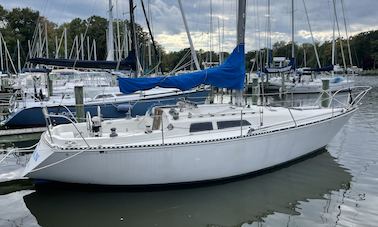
point(18, 135)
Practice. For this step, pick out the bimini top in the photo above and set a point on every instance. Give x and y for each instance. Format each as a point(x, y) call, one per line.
point(229, 75)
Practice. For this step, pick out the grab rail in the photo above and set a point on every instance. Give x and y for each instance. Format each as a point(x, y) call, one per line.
point(64, 117)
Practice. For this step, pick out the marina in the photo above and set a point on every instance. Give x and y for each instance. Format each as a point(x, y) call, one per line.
point(345, 196)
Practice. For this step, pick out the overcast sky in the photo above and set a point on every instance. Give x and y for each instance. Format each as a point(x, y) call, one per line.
point(168, 27)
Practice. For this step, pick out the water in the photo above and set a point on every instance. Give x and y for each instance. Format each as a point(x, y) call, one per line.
point(337, 186)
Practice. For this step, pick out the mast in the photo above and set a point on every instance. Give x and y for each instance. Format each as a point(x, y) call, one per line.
point(211, 33)
point(347, 35)
point(292, 30)
point(268, 35)
point(312, 36)
point(134, 36)
point(1, 55)
point(110, 44)
point(82, 46)
point(192, 50)
point(221, 54)
point(338, 30)
point(333, 41)
point(126, 41)
point(88, 49)
point(65, 43)
point(240, 39)
point(47, 42)
point(219, 43)
point(18, 56)
point(119, 56)
point(94, 50)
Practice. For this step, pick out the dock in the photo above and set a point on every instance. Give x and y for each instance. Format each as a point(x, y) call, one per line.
point(18, 135)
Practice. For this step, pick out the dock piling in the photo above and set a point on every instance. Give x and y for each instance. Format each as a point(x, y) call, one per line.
point(325, 94)
point(79, 100)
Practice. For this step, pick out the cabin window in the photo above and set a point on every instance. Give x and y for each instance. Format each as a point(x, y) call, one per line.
point(104, 96)
point(199, 127)
point(231, 124)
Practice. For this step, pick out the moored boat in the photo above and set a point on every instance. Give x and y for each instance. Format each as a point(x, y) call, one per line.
point(187, 142)
point(183, 143)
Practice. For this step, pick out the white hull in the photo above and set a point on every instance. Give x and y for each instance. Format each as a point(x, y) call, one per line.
point(311, 87)
point(202, 161)
point(317, 87)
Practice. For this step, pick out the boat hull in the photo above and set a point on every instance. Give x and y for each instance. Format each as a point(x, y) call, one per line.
point(33, 116)
point(183, 163)
point(317, 88)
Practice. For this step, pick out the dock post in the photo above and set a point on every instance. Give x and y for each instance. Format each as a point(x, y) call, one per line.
point(282, 84)
point(79, 100)
point(49, 86)
point(255, 91)
point(325, 93)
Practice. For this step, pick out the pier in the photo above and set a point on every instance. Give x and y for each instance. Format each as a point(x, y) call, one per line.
point(18, 135)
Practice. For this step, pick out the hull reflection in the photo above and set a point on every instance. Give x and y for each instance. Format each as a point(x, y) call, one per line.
point(226, 204)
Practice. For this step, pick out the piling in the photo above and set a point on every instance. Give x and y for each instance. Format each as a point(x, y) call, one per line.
point(282, 91)
point(49, 86)
point(255, 91)
point(325, 93)
point(79, 100)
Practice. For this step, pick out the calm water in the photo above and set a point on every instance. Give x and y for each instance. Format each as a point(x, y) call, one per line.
point(335, 187)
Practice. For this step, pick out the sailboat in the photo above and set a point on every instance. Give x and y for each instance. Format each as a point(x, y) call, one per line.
point(187, 142)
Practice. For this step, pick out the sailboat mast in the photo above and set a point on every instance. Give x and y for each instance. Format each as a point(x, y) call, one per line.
point(312, 36)
point(347, 35)
point(292, 30)
point(268, 35)
point(211, 32)
point(338, 30)
point(134, 36)
point(1, 56)
point(110, 44)
point(333, 41)
point(192, 50)
point(240, 39)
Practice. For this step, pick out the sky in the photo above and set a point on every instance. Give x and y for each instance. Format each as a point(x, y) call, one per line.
point(169, 30)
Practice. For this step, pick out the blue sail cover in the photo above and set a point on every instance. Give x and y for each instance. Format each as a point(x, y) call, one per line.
point(229, 75)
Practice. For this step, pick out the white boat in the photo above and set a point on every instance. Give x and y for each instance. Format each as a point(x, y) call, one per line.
point(63, 81)
point(184, 143)
point(307, 85)
point(187, 142)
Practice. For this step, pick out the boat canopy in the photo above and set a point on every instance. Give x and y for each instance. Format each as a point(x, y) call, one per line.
point(125, 64)
point(229, 75)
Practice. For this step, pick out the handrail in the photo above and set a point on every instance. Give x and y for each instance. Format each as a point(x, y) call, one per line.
point(73, 123)
point(358, 97)
point(17, 150)
point(70, 112)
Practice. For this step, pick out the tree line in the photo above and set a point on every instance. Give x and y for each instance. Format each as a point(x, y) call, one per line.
point(20, 24)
